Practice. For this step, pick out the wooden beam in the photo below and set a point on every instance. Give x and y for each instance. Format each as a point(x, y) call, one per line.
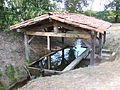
point(27, 51)
point(92, 55)
point(41, 26)
point(72, 28)
point(76, 61)
point(58, 34)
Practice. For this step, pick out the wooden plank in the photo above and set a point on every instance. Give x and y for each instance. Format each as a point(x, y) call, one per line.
point(51, 72)
point(76, 61)
point(58, 34)
point(27, 51)
point(92, 55)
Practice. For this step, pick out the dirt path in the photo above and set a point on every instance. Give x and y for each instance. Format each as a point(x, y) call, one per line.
point(106, 76)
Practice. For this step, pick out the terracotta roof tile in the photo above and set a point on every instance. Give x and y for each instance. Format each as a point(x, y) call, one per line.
point(79, 20)
point(29, 22)
point(83, 21)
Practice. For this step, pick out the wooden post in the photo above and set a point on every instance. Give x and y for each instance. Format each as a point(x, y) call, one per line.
point(104, 38)
point(62, 48)
point(92, 55)
point(27, 51)
point(100, 44)
point(48, 43)
point(49, 62)
point(56, 28)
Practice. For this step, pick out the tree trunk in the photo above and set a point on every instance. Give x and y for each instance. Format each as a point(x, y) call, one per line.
point(116, 18)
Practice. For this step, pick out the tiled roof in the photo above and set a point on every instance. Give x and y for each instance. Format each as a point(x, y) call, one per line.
point(29, 22)
point(78, 20)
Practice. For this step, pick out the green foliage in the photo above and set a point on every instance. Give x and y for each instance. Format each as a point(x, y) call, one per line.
point(90, 13)
point(114, 7)
point(20, 10)
point(85, 38)
point(106, 47)
point(74, 6)
point(28, 61)
point(58, 10)
point(106, 15)
point(2, 87)
point(0, 74)
point(11, 73)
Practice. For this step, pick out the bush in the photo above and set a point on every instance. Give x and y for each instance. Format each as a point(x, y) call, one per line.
point(2, 87)
point(0, 74)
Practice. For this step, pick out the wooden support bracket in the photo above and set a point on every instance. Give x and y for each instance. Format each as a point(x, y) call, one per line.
point(30, 39)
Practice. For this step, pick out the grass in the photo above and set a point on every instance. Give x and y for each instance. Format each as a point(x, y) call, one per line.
point(106, 47)
point(85, 38)
point(11, 73)
point(28, 61)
